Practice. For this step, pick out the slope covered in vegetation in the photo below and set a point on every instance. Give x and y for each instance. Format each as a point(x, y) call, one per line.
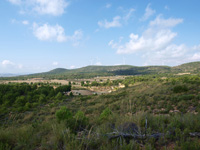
point(147, 106)
point(94, 71)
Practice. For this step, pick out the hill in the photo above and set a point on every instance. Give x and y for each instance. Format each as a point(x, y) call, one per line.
point(192, 67)
point(55, 71)
point(94, 71)
point(162, 113)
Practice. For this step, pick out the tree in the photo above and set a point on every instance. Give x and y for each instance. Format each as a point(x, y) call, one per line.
point(42, 98)
point(105, 114)
point(82, 83)
point(81, 120)
point(20, 101)
point(59, 96)
point(64, 114)
point(62, 89)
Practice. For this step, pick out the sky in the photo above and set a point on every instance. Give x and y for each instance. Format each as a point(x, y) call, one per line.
point(40, 35)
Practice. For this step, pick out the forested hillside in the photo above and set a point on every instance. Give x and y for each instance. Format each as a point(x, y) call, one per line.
point(148, 113)
point(94, 71)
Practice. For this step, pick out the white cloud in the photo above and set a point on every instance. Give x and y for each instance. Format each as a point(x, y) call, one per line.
point(76, 37)
point(43, 7)
point(117, 21)
point(152, 39)
point(52, 7)
point(196, 53)
point(25, 22)
point(196, 57)
point(15, 2)
point(55, 63)
point(148, 13)
point(165, 23)
point(10, 64)
point(128, 15)
point(173, 55)
point(156, 44)
point(72, 67)
point(98, 64)
point(7, 62)
point(49, 33)
point(114, 23)
point(170, 55)
point(108, 5)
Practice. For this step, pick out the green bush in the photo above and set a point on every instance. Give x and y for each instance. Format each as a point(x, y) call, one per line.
point(5, 146)
point(105, 114)
point(180, 89)
point(42, 99)
point(81, 120)
point(59, 96)
point(192, 144)
point(64, 114)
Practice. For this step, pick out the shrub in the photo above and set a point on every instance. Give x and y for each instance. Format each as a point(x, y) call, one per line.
point(81, 120)
point(64, 114)
point(180, 88)
point(105, 114)
point(5, 146)
point(42, 98)
point(193, 145)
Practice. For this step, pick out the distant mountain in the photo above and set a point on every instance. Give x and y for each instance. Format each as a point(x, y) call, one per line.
point(192, 67)
point(93, 71)
point(12, 74)
point(56, 71)
point(8, 75)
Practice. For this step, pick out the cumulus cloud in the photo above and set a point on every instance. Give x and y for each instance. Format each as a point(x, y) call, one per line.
point(7, 62)
point(76, 37)
point(49, 33)
point(173, 55)
point(156, 37)
point(49, 7)
point(15, 2)
point(165, 23)
point(153, 38)
point(114, 23)
point(156, 44)
point(196, 53)
point(24, 22)
point(196, 57)
point(10, 64)
point(148, 13)
point(170, 55)
point(52, 7)
point(117, 21)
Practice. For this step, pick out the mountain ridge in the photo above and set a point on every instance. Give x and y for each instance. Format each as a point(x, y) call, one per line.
point(94, 71)
point(91, 71)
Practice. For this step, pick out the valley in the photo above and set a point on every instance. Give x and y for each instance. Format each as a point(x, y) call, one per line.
point(78, 113)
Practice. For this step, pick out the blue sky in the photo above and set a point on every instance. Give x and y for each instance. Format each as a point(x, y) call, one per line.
point(40, 35)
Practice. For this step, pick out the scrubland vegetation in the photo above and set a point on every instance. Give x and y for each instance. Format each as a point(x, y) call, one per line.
point(150, 112)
